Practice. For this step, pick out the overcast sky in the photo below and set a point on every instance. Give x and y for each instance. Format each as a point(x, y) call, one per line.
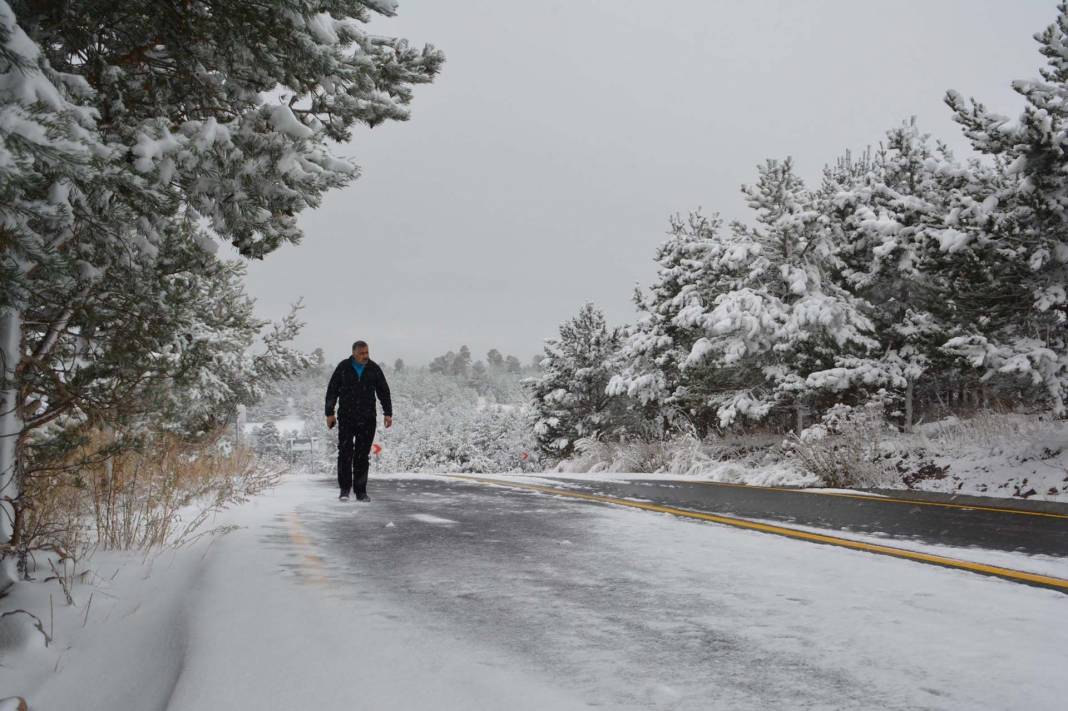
point(539, 171)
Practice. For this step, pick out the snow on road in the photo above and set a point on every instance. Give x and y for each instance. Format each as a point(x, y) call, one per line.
point(1048, 565)
point(441, 594)
point(430, 518)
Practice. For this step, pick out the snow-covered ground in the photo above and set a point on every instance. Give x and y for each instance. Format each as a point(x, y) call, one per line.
point(994, 455)
point(991, 454)
point(447, 595)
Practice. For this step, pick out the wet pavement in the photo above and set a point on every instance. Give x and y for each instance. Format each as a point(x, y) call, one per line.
point(941, 520)
point(630, 610)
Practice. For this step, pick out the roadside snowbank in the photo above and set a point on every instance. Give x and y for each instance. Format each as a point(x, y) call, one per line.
point(990, 455)
point(1002, 455)
point(120, 646)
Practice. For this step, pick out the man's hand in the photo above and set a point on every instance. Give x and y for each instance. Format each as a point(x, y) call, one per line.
point(330, 422)
point(387, 420)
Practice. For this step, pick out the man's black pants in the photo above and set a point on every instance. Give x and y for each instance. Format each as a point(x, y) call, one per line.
point(354, 438)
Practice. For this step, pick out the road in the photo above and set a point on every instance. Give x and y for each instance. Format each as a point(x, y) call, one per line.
point(630, 609)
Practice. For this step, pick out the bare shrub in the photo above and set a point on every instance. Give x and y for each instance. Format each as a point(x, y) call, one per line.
point(632, 456)
point(846, 449)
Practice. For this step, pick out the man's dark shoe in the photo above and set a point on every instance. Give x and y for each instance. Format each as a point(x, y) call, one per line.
point(363, 497)
point(343, 497)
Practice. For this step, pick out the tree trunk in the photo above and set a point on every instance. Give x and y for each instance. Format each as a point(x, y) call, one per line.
point(909, 386)
point(800, 419)
point(10, 432)
point(239, 426)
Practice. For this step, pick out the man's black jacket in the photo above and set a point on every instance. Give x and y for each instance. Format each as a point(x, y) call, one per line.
point(357, 395)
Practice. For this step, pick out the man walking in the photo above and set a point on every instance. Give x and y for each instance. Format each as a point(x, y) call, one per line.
point(355, 382)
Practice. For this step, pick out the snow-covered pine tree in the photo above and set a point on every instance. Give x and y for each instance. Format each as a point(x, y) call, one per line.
point(50, 158)
point(461, 364)
point(651, 366)
point(443, 363)
point(479, 379)
point(881, 214)
point(269, 439)
point(232, 107)
point(218, 366)
point(769, 315)
point(1008, 232)
point(568, 397)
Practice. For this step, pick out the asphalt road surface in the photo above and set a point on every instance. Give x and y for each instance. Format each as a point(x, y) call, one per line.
point(987, 523)
point(627, 609)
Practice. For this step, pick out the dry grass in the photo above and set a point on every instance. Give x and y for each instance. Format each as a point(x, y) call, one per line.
point(158, 497)
point(985, 427)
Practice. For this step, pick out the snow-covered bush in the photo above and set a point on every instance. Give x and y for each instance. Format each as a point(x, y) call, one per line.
point(441, 423)
point(451, 438)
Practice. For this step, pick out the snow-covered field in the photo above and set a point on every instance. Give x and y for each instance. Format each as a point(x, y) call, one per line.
point(446, 595)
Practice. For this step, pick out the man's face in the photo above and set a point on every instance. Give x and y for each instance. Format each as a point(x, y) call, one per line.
point(361, 354)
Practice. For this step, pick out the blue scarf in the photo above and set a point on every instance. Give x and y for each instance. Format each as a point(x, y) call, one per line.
point(358, 368)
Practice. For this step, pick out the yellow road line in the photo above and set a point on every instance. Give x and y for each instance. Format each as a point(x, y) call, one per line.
point(315, 565)
point(880, 498)
point(1018, 576)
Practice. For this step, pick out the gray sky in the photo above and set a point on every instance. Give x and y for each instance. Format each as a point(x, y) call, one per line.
point(540, 170)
